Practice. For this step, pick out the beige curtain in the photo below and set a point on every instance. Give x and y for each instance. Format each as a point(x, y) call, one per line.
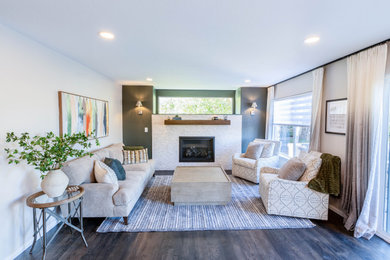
point(270, 113)
point(315, 128)
point(366, 73)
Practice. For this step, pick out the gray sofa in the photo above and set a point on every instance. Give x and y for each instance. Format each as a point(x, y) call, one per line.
point(106, 200)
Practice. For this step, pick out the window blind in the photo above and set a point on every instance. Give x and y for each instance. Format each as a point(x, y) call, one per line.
point(293, 111)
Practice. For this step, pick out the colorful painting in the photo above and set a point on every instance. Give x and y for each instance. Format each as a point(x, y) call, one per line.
point(82, 114)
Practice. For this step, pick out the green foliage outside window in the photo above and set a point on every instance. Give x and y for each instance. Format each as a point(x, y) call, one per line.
point(195, 105)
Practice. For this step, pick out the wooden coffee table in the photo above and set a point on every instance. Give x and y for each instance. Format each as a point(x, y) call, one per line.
point(200, 185)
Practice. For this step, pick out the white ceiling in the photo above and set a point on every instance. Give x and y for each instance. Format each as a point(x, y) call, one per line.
point(200, 44)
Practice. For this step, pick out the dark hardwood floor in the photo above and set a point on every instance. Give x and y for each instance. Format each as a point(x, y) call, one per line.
point(328, 240)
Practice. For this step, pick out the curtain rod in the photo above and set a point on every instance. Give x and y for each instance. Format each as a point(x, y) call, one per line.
point(323, 65)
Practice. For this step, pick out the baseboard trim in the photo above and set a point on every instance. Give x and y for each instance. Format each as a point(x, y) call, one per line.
point(27, 244)
point(337, 211)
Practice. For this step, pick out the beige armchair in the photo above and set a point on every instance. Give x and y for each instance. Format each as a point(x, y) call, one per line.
point(249, 169)
point(291, 198)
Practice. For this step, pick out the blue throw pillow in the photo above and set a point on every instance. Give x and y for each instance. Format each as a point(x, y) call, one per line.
point(117, 167)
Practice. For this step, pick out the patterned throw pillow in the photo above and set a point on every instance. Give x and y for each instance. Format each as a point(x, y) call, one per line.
point(135, 156)
point(268, 150)
point(313, 165)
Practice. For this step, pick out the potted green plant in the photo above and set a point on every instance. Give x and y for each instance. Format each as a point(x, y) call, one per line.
point(47, 154)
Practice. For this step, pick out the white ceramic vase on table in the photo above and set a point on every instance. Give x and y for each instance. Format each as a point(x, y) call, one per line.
point(54, 183)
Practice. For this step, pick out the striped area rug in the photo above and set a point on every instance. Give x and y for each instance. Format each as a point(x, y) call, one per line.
point(155, 212)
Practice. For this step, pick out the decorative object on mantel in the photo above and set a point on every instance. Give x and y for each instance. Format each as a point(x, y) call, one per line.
point(215, 118)
point(253, 108)
point(177, 117)
point(197, 122)
point(139, 106)
point(82, 114)
point(336, 116)
point(48, 154)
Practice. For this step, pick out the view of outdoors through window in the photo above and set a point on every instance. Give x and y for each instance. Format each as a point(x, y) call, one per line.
point(291, 125)
point(195, 105)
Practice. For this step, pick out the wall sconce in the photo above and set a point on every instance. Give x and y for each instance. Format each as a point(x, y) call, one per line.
point(139, 105)
point(253, 108)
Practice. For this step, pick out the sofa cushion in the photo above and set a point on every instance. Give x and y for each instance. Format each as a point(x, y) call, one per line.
point(131, 188)
point(245, 162)
point(146, 167)
point(292, 170)
point(254, 150)
point(117, 167)
point(115, 151)
point(79, 170)
point(104, 174)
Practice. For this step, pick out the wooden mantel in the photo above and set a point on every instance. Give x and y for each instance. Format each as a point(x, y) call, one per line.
point(197, 122)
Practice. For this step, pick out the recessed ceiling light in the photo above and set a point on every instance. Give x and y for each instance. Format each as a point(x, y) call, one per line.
point(107, 35)
point(312, 39)
point(149, 79)
point(247, 81)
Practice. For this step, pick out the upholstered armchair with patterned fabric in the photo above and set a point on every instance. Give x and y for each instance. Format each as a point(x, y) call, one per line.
point(291, 198)
point(249, 169)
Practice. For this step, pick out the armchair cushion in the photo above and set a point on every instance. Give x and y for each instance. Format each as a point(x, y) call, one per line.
point(268, 150)
point(254, 150)
point(313, 164)
point(292, 170)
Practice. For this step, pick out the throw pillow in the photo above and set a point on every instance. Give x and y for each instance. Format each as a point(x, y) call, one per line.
point(268, 150)
point(104, 174)
point(254, 150)
point(117, 167)
point(292, 170)
point(135, 156)
point(313, 165)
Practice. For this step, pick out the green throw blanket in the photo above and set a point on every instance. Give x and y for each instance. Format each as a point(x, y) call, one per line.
point(328, 177)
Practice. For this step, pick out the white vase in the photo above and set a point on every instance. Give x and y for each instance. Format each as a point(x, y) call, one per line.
point(54, 183)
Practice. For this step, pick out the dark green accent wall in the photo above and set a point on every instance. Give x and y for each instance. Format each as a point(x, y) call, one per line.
point(195, 93)
point(253, 126)
point(134, 124)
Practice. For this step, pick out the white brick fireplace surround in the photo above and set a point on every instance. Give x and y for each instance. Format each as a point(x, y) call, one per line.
point(165, 140)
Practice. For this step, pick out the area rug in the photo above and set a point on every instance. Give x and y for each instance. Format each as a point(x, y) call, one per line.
point(155, 212)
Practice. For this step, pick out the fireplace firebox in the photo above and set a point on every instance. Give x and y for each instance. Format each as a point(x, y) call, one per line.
point(196, 149)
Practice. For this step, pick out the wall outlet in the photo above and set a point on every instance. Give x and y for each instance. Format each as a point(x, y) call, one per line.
point(146, 129)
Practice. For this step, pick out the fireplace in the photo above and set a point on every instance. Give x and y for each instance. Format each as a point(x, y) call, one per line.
point(196, 149)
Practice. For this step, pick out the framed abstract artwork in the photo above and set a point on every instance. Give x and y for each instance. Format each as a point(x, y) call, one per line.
point(336, 116)
point(82, 114)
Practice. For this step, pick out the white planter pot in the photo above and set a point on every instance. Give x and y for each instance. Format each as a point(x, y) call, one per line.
point(54, 183)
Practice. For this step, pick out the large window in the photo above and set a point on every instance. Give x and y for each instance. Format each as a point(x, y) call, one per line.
point(291, 123)
point(195, 105)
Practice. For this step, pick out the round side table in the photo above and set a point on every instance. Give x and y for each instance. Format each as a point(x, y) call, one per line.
point(51, 207)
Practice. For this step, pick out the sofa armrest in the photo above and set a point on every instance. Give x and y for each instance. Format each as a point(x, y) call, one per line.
point(269, 170)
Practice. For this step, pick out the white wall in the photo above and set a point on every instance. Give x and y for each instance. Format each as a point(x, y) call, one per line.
point(30, 76)
point(335, 87)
